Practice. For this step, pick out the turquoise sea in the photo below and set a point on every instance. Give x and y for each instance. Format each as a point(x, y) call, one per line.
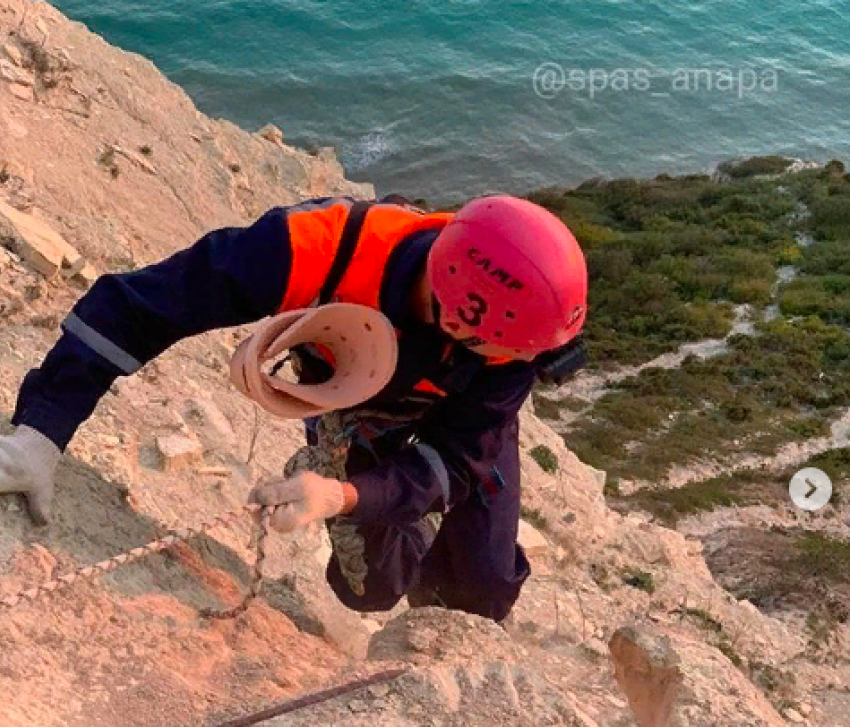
point(444, 99)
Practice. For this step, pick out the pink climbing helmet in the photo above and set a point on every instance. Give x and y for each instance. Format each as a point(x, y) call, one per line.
point(512, 272)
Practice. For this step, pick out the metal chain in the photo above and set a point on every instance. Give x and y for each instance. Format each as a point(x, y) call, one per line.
point(179, 535)
point(327, 458)
point(256, 578)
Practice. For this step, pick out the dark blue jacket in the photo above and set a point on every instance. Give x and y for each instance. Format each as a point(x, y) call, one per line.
point(234, 276)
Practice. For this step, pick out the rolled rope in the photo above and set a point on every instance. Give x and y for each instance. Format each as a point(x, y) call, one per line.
point(362, 344)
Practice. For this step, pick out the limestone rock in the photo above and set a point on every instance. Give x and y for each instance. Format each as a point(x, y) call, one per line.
point(178, 452)
point(271, 133)
point(136, 159)
point(5, 259)
point(210, 424)
point(326, 154)
point(81, 272)
point(12, 53)
point(426, 634)
point(532, 540)
point(479, 694)
point(674, 682)
point(12, 73)
point(647, 670)
point(11, 301)
point(20, 200)
point(22, 91)
point(37, 243)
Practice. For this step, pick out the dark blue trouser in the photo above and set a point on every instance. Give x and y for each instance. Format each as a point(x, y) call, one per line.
point(475, 563)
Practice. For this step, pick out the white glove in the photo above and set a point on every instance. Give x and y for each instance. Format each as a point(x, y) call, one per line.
point(302, 499)
point(28, 462)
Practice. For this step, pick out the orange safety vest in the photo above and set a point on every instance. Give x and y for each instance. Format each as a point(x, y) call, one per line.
point(316, 234)
point(315, 237)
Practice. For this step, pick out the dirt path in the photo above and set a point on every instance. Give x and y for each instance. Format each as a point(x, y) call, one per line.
point(589, 387)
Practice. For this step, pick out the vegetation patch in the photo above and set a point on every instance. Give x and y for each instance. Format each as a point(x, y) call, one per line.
point(36, 58)
point(107, 161)
point(785, 569)
point(545, 457)
point(639, 579)
point(534, 517)
point(544, 407)
point(784, 384)
point(671, 504)
point(823, 628)
point(823, 556)
point(668, 258)
point(755, 166)
point(572, 403)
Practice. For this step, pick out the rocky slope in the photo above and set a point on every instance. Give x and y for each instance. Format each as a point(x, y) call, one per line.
point(108, 166)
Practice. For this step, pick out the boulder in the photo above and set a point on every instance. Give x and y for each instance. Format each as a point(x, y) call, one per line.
point(673, 682)
point(44, 249)
point(178, 452)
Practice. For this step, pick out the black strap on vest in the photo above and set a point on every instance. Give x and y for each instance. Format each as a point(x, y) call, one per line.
point(347, 246)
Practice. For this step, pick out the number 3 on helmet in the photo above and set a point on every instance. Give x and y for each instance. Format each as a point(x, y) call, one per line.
point(513, 272)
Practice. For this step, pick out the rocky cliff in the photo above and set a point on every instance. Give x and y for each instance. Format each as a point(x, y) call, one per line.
point(105, 166)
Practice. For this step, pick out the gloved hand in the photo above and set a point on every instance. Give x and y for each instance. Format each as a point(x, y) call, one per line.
point(28, 462)
point(302, 498)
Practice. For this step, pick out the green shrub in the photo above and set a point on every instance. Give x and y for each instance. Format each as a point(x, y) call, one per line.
point(756, 292)
point(639, 579)
point(831, 217)
point(544, 407)
point(728, 650)
point(545, 457)
point(834, 168)
point(836, 284)
point(789, 255)
point(36, 57)
point(809, 427)
point(736, 411)
point(755, 166)
point(571, 403)
point(825, 556)
point(534, 517)
point(809, 296)
point(705, 620)
point(835, 462)
point(591, 236)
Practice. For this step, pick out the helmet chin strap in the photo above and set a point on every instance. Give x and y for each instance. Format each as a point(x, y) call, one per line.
point(435, 310)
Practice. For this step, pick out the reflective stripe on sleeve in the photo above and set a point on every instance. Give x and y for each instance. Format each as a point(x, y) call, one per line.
point(101, 345)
